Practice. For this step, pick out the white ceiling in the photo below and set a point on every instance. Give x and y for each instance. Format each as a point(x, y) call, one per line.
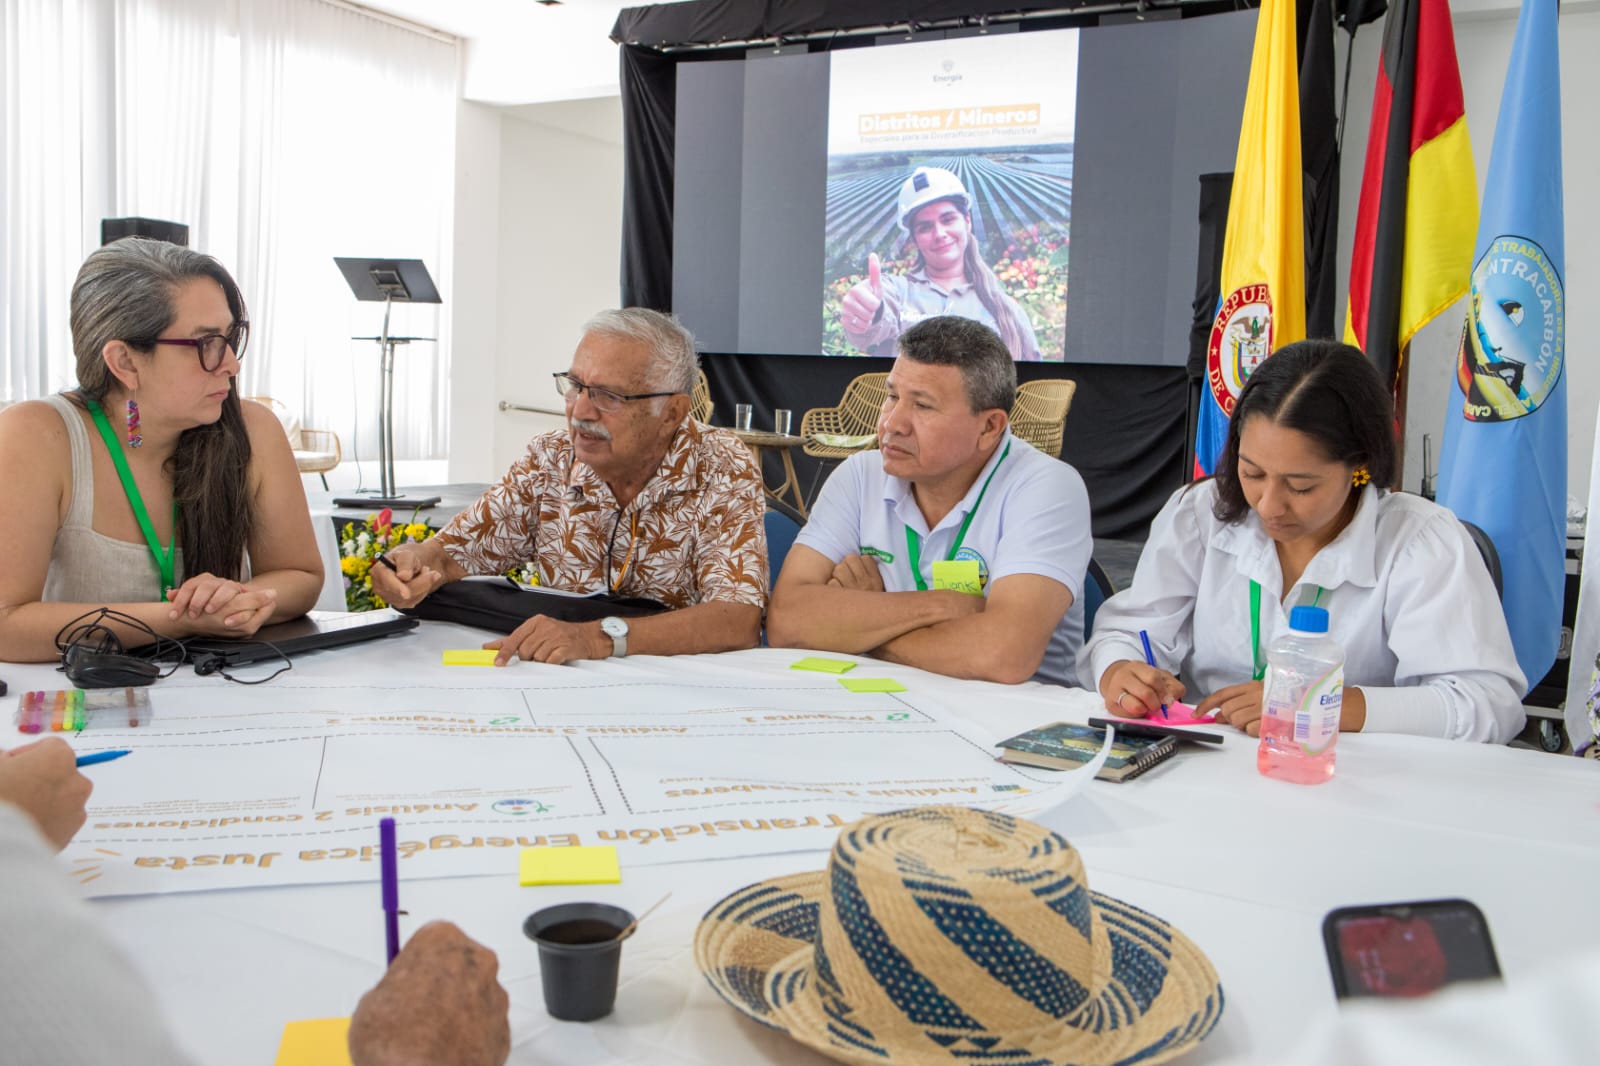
point(521, 51)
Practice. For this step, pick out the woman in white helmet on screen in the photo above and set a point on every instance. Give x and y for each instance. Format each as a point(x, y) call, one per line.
point(948, 278)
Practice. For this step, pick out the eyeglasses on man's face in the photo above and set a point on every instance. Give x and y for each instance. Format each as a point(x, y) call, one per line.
point(604, 400)
point(209, 347)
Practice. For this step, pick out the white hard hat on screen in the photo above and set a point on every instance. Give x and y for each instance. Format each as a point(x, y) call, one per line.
point(925, 186)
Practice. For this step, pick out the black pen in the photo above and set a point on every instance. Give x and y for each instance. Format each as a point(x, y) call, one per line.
point(384, 559)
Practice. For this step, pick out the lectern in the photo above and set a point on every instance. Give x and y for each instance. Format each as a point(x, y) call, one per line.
point(388, 280)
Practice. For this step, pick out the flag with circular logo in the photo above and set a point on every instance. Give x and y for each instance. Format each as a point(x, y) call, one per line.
point(1263, 305)
point(1503, 466)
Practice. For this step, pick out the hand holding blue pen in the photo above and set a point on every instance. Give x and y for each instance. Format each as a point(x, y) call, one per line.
point(1150, 658)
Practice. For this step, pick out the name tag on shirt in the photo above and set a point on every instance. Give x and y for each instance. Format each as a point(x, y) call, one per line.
point(958, 575)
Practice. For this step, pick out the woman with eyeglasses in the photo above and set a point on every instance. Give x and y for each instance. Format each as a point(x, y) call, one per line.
point(151, 488)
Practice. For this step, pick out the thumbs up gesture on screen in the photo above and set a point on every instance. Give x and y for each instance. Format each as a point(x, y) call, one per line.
point(861, 304)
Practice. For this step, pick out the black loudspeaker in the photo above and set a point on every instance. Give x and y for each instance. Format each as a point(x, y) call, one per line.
point(114, 229)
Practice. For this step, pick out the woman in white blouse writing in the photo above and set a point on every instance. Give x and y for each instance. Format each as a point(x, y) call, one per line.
point(1296, 515)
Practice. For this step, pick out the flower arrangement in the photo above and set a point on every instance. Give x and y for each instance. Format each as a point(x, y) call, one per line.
point(358, 548)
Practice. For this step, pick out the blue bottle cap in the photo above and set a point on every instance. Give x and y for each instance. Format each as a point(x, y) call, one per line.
point(1309, 619)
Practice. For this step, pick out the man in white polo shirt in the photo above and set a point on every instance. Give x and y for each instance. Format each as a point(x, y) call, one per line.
point(955, 547)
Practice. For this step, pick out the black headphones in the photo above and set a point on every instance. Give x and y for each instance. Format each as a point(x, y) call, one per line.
point(92, 655)
point(88, 668)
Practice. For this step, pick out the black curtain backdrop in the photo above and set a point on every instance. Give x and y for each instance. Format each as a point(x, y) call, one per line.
point(1124, 433)
point(1127, 433)
point(649, 126)
point(714, 22)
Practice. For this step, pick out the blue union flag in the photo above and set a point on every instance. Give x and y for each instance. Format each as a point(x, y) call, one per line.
point(1504, 461)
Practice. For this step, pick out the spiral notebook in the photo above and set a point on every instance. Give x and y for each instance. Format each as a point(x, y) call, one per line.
point(1066, 746)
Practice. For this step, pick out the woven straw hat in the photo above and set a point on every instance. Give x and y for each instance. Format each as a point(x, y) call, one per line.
point(949, 935)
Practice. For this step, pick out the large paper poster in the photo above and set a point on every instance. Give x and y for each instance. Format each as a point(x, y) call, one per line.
point(950, 190)
point(286, 785)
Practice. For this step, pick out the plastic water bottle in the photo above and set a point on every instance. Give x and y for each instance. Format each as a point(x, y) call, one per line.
point(1300, 701)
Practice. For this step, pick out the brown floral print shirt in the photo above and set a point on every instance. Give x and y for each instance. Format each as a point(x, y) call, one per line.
point(695, 533)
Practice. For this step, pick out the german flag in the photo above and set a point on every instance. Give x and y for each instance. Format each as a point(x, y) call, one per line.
point(1418, 214)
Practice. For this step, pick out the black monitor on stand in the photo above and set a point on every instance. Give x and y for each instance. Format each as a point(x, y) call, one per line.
point(388, 280)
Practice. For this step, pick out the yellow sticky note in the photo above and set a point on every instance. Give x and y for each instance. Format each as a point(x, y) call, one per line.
point(469, 656)
point(592, 865)
point(318, 1042)
point(958, 576)
point(823, 666)
point(872, 684)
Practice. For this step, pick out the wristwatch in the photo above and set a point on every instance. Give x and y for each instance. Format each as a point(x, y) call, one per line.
point(617, 629)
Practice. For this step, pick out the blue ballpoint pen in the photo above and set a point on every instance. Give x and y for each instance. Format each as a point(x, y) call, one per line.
point(1149, 657)
point(102, 756)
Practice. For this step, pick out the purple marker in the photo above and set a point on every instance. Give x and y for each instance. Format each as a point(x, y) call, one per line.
point(391, 886)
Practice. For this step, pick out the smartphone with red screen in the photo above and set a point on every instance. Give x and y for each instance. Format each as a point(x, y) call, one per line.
point(1407, 949)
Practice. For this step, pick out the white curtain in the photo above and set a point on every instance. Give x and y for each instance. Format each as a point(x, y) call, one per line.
point(284, 133)
point(164, 58)
point(347, 135)
point(45, 84)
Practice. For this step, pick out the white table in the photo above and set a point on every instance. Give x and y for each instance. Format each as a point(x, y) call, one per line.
point(1244, 865)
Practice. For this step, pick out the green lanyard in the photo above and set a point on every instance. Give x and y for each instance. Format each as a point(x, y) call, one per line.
point(114, 446)
point(914, 543)
point(1257, 656)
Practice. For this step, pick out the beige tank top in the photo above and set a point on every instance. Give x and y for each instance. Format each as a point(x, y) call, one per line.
point(90, 567)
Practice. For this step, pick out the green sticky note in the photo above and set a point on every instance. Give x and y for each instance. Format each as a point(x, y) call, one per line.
point(594, 865)
point(872, 684)
point(469, 656)
point(823, 666)
point(958, 576)
point(318, 1042)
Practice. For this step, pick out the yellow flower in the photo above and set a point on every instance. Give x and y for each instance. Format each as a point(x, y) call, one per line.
point(359, 548)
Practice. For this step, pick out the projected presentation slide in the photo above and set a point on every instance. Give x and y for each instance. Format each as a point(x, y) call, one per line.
point(950, 191)
point(1046, 183)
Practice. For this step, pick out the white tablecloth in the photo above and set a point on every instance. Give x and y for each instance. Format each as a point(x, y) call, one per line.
point(1244, 865)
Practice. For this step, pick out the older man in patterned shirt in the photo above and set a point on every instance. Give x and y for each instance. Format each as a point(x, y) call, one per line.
point(634, 497)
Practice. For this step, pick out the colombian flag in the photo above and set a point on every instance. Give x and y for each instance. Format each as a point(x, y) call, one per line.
point(1262, 286)
point(1504, 461)
point(1419, 202)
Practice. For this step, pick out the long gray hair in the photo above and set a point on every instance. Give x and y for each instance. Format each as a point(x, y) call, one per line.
point(128, 291)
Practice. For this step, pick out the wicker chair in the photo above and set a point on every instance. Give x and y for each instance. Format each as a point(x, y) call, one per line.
point(700, 405)
point(836, 433)
point(1040, 411)
point(850, 427)
point(316, 451)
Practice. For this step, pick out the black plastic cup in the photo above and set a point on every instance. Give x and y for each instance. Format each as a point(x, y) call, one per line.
point(578, 957)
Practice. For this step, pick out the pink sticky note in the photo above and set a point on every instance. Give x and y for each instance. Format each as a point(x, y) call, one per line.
point(1182, 714)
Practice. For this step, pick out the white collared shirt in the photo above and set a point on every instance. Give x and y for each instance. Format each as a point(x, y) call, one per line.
point(1407, 594)
point(1034, 519)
